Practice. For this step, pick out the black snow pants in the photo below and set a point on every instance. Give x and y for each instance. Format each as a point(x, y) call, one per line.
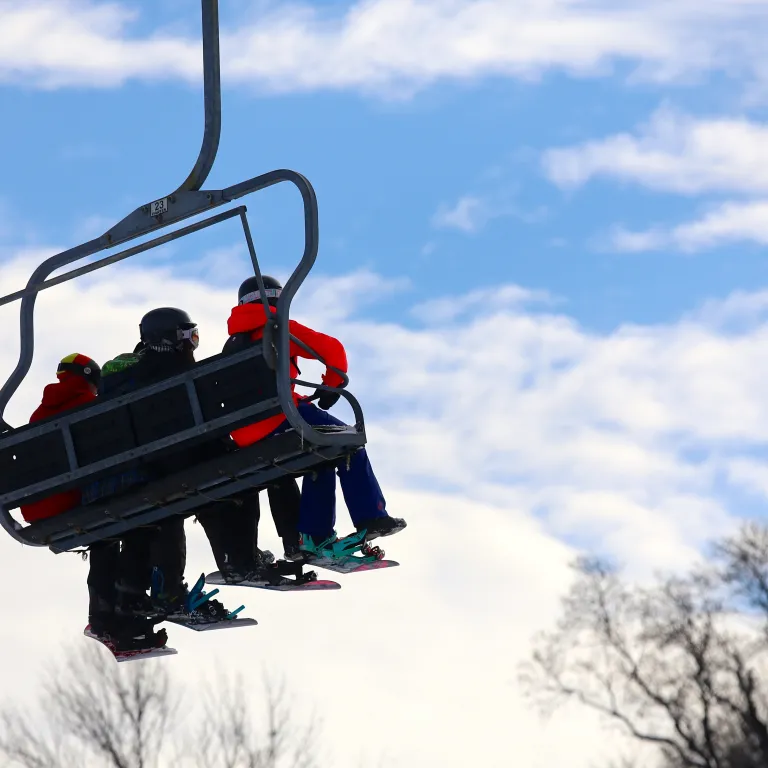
point(102, 575)
point(232, 525)
point(162, 546)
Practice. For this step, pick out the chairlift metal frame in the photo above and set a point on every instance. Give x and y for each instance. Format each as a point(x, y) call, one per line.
point(186, 201)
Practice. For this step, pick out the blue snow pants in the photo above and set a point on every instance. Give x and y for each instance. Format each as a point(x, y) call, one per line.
point(361, 490)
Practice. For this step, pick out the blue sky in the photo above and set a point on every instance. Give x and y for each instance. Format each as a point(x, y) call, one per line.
point(383, 167)
point(542, 228)
point(381, 171)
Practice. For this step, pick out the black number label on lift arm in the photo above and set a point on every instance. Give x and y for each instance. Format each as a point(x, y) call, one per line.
point(158, 207)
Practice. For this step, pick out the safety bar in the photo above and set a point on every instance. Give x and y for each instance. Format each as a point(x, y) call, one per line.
point(160, 214)
point(148, 245)
point(173, 209)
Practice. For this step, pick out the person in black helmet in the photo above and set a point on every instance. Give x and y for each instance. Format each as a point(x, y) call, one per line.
point(362, 493)
point(169, 339)
point(243, 560)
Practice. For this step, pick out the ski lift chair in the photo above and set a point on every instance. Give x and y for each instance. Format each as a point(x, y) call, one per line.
point(217, 396)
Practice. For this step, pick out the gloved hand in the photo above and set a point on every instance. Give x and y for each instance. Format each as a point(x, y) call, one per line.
point(327, 399)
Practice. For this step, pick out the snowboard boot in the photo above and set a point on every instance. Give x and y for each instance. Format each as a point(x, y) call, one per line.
point(265, 570)
point(100, 623)
point(135, 603)
point(381, 526)
point(125, 635)
point(237, 572)
point(294, 553)
point(264, 557)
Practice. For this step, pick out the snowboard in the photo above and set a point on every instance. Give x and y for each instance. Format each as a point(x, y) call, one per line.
point(351, 564)
point(120, 656)
point(208, 626)
point(319, 585)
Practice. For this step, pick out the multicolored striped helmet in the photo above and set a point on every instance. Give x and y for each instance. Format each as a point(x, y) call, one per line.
point(80, 365)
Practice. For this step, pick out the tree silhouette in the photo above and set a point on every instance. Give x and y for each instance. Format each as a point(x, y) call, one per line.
point(93, 712)
point(677, 665)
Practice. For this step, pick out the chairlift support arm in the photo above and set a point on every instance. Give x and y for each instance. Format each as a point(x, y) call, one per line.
point(211, 96)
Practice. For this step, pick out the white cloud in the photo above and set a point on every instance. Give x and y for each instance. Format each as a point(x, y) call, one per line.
point(453, 308)
point(628, 241)
point(93, 226)
point(677, 153)
point(673, 152)
point(741, 309)
point(497, 433)
point(590, 431)
point(72, 42)
point(468, 215)
point(728, 222)
point(750, 474)
point(336, 298)
point(421, 620)
point(389, 46)
point(725, 223)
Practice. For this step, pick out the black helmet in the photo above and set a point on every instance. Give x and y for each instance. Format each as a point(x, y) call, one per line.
point(249, 293)
point(168, 329)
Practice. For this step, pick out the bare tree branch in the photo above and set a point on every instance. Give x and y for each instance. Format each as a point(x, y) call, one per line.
point(96, 713)
point(235, 739)
point(669, 663)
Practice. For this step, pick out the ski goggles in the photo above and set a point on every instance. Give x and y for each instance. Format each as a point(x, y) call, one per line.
point(192, 335)
point(272, 293)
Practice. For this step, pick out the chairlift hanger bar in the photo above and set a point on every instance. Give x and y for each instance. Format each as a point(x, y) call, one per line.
point(211, 96)
point(177, 208)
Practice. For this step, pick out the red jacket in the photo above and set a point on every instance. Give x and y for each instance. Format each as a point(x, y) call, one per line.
point(69, 392)
point(251, 317)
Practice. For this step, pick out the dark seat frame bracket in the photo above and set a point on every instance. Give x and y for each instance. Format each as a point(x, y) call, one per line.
point(221, 425)
point(180, 494)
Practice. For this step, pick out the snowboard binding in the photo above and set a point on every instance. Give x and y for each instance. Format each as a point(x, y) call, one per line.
point(373, 552)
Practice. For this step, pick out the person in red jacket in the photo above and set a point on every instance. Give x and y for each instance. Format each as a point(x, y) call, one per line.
point(78, 381)
point(362, 493)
